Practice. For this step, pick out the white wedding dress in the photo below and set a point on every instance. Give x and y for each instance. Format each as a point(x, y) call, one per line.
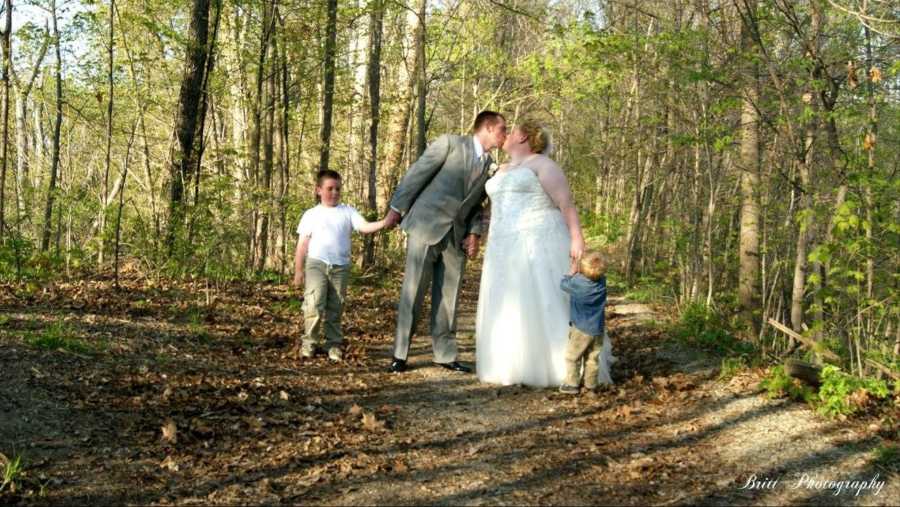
point(522, 324)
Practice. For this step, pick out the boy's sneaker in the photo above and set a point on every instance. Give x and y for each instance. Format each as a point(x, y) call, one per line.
point(567, 389)
point(307, 351)
point(335, 354)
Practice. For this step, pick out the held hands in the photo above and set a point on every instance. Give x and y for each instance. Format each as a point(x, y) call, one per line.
point(297, 283)
point(470, 245)
point(391, 219)
point(576, 249)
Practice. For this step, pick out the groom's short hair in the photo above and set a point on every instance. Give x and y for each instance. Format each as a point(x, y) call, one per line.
point(485, 118)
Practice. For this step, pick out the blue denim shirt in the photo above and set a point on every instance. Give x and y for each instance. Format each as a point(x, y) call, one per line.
point(588, 302)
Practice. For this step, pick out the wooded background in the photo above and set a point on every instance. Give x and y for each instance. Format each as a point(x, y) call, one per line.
point(741, 154)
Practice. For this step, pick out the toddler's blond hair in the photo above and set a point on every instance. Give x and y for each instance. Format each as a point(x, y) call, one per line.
point(592, 265)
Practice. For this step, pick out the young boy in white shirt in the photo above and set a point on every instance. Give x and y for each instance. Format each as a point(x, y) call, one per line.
point(322, 259)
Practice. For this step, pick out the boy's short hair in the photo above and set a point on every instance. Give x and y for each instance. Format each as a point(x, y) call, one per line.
point(326, 174)
point(593, 265)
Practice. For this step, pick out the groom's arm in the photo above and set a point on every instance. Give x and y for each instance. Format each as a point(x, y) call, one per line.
point(420, 174)
point(476, 224)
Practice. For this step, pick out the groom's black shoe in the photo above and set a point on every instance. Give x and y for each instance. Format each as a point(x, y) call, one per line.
point(398, 365)
point(455, 366)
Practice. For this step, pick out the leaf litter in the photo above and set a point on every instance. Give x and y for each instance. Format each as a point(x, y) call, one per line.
point(193, 402)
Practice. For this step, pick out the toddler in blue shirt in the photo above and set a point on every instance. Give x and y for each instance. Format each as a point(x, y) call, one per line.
point(587, 289)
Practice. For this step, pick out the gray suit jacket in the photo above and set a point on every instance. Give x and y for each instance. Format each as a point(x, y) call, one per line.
point(438, 193)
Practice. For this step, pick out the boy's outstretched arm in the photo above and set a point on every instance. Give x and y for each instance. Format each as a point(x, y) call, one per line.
point(300, 260)
point(370, 227)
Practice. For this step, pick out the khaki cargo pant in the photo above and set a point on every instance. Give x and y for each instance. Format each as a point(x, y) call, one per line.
point(582, 348)
point(323, 303)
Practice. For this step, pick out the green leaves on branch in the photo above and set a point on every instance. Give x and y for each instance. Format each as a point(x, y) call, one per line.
point(840, 394)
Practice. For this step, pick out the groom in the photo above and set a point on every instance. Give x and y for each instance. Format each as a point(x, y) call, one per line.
point(440, 201)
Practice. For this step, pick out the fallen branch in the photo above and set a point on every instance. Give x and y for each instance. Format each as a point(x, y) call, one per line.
point(806, 372)
point(887, 371)
point(806, 341)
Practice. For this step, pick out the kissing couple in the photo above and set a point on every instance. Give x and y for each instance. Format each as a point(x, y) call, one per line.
point(522, 323)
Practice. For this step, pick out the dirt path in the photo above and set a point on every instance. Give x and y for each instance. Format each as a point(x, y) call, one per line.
point(255, 426)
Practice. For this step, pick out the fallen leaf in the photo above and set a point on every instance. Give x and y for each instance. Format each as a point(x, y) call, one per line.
point(169, 464)
point(371, 423)
point(170, 432)
point(355, 409)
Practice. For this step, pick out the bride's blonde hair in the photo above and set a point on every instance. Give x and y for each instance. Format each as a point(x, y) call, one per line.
point(538, 137)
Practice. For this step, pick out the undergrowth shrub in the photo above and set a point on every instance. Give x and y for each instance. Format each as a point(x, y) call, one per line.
point(701, 326)
point(844, 395)
point(839, 395)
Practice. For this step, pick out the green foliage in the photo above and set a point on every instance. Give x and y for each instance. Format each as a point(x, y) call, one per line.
point(703, 327)
point(599, 229)
point(21, 260)
point(291, 306)
point(779, 384)
point(888, 456)
point(844, 395)
point(886, 357)
point(731, 366)
point(269, 276)
point(58, 336)
point(839, 395)
point(647, 290)
point(12, 471)
point(196, 327)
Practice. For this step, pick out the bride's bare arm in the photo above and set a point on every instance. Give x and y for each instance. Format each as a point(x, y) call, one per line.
point(553, 180)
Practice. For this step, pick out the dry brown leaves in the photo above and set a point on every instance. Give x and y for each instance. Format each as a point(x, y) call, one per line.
point(169, 432)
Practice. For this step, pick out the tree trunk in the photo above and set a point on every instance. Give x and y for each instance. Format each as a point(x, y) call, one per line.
point(57, 130)
point(328, 86)
point(282, 150)
point(109, 126)
point(182, 154)
point(357, 109)
point(748, 283)
point(284, 146)
point(200, 137)
point(637, 201)
point(7, 29)
point(871, 142)
point(376, 24)
point(23, 90)
point(122, 202)
point(262, 232)
point(807, 195)
point(420, 73)
point(145, 145)
point(256, 130)
point(396, 139)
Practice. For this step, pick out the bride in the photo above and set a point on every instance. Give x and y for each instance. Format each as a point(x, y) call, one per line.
point(522, 324)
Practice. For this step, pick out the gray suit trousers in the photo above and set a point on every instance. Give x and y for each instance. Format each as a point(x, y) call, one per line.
point(441, 264)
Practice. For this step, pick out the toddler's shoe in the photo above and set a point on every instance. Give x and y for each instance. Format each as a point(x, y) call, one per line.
point(335, 354)
point(307, 351)
point(567, 389)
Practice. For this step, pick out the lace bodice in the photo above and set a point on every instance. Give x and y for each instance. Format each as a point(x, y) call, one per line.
point(519, 202)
